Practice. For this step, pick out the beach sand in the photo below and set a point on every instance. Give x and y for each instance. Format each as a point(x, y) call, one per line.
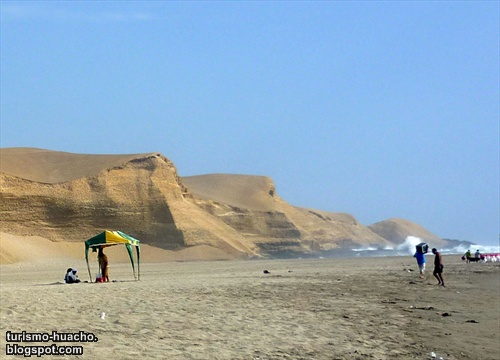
point(361, 308)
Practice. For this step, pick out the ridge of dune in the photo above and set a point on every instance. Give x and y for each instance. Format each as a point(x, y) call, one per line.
point(47, 166)
point(251, 192)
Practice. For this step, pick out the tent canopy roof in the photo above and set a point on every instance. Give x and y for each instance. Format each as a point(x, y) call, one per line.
point(108, 238)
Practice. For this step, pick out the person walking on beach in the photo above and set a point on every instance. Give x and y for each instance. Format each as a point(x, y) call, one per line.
point(438, 266)
point(420, 261)
point(103, 264)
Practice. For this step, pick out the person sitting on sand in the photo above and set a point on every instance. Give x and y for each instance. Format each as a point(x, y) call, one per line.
point(103, 264)
point(438, 266)
point(66, 277)
point(71, 277)
point(421, 262)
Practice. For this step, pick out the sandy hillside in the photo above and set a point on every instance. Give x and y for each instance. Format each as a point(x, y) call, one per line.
point(396, 230)
point(242, 191)
point(231, 196)
point(37, 250)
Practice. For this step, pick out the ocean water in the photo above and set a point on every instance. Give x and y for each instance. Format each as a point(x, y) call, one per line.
point(408, 248)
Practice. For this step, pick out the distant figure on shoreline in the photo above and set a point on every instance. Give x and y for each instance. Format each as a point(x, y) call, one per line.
point(469, 258)
point(438, 266)
point(103, 264)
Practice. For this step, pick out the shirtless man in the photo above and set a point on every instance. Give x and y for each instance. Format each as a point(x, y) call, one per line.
point(103, 264)
point(438, 266)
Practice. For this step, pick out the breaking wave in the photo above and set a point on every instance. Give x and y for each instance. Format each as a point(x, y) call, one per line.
point(408, 248)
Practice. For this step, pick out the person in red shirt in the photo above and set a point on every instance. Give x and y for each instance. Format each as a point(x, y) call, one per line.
point(438, 266)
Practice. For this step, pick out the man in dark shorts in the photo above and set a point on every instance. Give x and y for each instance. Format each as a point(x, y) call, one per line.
point(438, 266)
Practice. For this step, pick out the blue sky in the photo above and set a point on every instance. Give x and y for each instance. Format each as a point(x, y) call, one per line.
point(377, 109)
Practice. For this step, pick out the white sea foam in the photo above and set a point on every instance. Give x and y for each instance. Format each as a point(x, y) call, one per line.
point(484, 249)
point(365, 249)
point(409, 244)
point(408, 248)
point(461, 249)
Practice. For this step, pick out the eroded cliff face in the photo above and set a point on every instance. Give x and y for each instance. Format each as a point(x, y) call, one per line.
point(266, 220)
point(325, 231)
point(134, 197)
point(270, 231)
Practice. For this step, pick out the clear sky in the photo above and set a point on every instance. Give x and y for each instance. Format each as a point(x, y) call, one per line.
point(378, 109)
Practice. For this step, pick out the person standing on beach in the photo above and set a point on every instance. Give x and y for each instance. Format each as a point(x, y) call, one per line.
point(421, 262)
point(438, 266)
point(103, 264)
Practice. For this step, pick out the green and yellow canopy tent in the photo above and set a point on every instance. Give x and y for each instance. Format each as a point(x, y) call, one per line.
point(110, 238)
